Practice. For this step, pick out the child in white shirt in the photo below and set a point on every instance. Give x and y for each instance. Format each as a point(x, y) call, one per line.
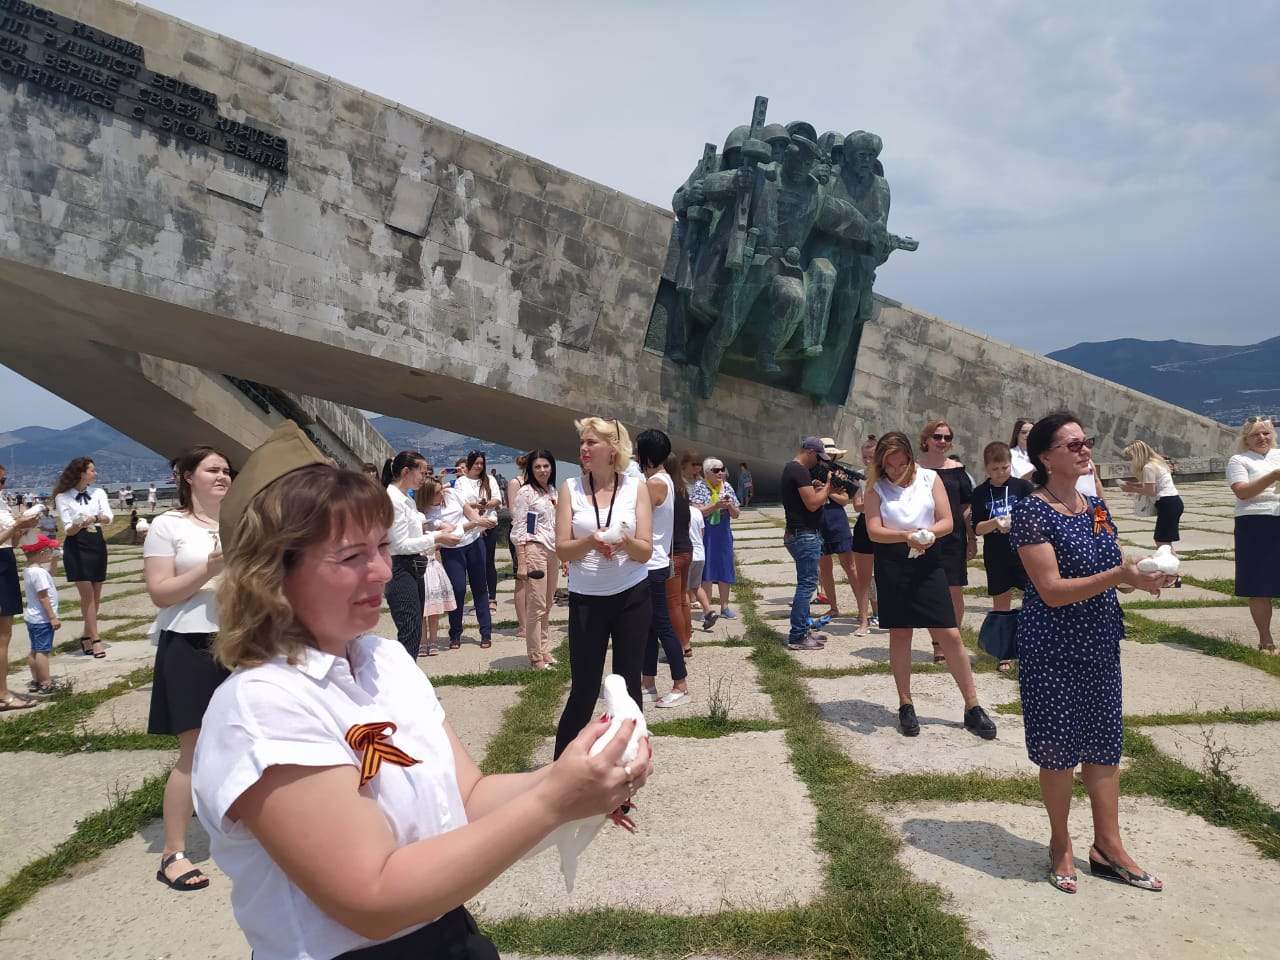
point(697, 592)
point(41, 612)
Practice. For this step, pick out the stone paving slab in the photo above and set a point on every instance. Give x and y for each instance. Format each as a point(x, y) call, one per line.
point(1255, 752)
point(44, 795)
point(844, 650)
point(1211, 569)
point(1171, 678)
point(1190, 540)
point(507, 653)
point(752, 534)
point(136, 605)
point(749, 556)
point(698, 834)
point(992, 857)
point(85, 673)
point(68, 594)
point(710, 665)
point(1185, 592)
point(126, 713)
point(863, 714)
point(1225, 623)
point(20, 645)
point(145, 920)
point(1216, 524)
point(476, 713)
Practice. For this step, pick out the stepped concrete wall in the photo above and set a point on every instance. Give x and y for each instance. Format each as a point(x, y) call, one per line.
point(228, 210)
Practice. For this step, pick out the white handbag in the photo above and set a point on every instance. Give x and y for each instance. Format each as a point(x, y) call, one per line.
point(1144, 506)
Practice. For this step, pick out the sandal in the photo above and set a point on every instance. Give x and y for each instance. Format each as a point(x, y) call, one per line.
point(180, 883)
point(17, 703)
point(428, 651)
point(98, 654)
point(455, 644)
point(1269, 648)
point(1110, 870)
point(86, 646)
point(1005, 666)
point(1066, 882)
point(485, 643)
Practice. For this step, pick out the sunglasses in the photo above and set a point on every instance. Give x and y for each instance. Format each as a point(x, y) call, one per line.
point(717, 469)
point(943, 437)
point(1249, 420)
point(1075, 446)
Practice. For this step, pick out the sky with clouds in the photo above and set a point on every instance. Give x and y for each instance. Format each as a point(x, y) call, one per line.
point(1073, 172)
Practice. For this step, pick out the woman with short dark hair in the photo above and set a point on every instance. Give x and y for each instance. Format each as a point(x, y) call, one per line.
point(533, 531)
point(653, 447)
point(1069, 635)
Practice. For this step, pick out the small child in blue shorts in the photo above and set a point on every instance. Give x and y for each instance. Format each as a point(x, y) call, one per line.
point(41, 612)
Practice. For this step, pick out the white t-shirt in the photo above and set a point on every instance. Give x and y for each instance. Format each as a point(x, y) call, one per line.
point(594, 575)
point(1249, 466)
point(175, 534)
point(1162, 478)
point(1020, 463)
point(697, 523)
point(36, 579)
point(472, 492)
point(1087, 483)
point(452, 517)
point(664, 521)
point(277, 714)
point(909, 507)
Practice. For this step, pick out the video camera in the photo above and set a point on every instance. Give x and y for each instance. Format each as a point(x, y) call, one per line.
point(842, 477)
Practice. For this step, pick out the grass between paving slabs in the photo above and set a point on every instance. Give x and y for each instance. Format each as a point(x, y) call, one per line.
point(871, 907)
point(58, 728)
point(93, 835)
point(1142, 630)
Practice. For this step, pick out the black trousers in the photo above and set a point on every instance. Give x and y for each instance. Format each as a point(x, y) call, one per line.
point(454, 936)
point(406, 596)
point(594, 621)
point(491, 561)
point(661, 631)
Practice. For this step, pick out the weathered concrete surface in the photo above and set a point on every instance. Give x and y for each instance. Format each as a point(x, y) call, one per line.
point(403, 263)
point(1250, 758)
point(992, 858)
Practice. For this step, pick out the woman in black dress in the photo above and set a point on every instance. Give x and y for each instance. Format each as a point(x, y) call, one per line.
point(957, 547)
point(83, 509)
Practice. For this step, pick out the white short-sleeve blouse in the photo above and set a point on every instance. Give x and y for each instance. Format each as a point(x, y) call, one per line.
point(277, 714)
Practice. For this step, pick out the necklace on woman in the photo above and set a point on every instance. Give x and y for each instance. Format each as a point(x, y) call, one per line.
point(1071, 511)
point(591, 482)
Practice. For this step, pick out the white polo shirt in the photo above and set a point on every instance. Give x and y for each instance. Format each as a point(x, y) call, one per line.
point(277, 714)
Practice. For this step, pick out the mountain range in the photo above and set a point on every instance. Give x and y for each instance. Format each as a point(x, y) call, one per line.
point(36, 455)
point(1225, 382)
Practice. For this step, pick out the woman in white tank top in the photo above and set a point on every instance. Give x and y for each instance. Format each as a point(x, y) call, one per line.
point(603, 531)
point(652, 449)
point(907, 511)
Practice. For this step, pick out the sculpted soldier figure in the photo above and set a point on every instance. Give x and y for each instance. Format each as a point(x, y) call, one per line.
point(773, 257)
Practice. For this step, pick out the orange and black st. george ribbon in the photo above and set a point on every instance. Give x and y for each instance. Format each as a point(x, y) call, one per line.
point(1100, 522)
point(372, 741)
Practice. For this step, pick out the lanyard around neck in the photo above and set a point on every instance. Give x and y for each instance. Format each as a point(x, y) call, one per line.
point(591, 482)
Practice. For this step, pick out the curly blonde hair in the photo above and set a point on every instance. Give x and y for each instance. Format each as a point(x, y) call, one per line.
point(300, 509)
point(612, 432)
point(1140, 454)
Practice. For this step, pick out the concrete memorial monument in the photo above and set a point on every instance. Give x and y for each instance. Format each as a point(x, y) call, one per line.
point(177, 209)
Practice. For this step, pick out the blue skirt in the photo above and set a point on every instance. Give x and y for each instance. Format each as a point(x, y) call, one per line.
point(717, 539)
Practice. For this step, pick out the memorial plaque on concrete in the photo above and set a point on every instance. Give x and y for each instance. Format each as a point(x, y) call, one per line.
point(82, 67)
point(773, 258)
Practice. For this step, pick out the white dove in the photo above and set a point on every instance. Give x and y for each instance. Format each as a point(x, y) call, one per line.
point(921, 541)
point(1165, 561)
point(33, 511)
point(142, 526)
point(572, 838)
point(615, 532)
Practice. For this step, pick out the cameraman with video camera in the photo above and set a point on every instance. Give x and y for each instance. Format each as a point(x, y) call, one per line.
point(837, 538)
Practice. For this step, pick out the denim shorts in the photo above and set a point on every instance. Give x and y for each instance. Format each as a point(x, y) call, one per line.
point(41, 635)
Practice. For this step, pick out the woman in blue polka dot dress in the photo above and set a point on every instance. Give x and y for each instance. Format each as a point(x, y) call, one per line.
point(1069, 637)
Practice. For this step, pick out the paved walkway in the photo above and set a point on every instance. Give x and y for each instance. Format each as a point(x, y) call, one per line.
point(729, 823)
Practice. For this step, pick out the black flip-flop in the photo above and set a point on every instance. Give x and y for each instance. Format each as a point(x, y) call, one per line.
point(180, 883)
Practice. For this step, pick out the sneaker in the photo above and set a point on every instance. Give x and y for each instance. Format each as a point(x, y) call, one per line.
point(875, 623)
point(821, 621)
point(977, 721)
point(710, 619)
point(673, 698)
point(647, 695)
point(728, 614)
point(907, 721)
point(809, 641)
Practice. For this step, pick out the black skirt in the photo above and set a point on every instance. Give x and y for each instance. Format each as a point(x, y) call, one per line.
point(185, 677)
point(10, 592)
point(1258, 556)
point(861, 539)
point(454, 936)
point(1168, 513)
point(84, 557)
point(955, 565)
point(913, 593)
point(1004, 569)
